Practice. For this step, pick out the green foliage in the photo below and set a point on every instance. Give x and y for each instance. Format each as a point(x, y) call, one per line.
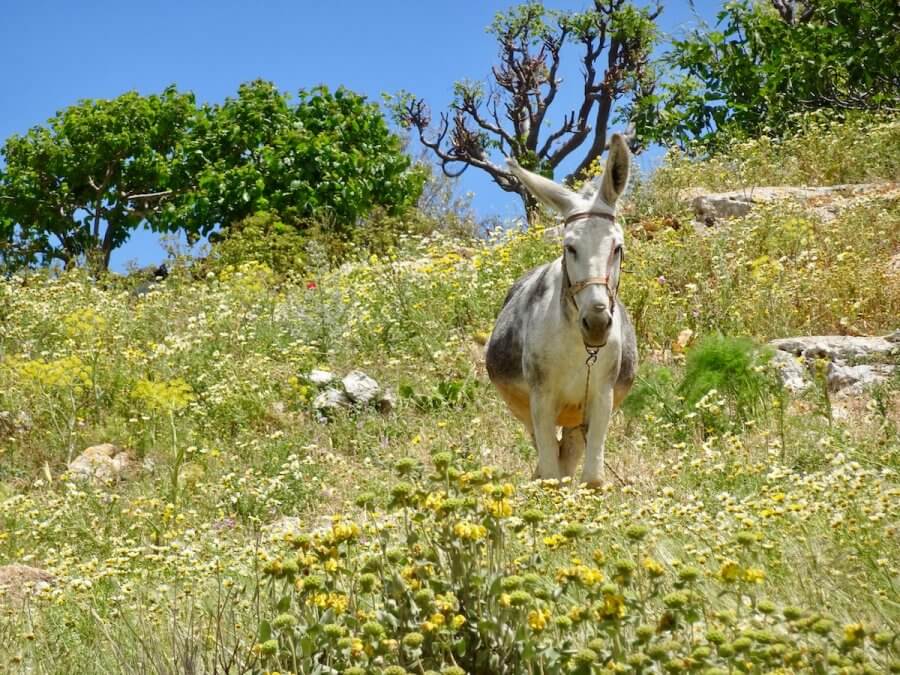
point(260, 238)
point(758, 68)
point(731, 367)
point(329, 158)
point(446, 394)
point(81, 184)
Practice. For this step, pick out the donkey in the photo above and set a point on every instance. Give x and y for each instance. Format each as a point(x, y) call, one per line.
point(563, 352)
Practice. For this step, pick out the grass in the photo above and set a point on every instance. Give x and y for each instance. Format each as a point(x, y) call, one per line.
point(746, 542)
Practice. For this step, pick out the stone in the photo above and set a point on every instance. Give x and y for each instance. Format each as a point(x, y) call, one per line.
point(320, 378)
point(835, 347)
point(791, 371)
point(853, 379)
point(360, 388)
point(18, 582)
point(331, 399)
point(386, 402)
point(17, 423)
point(102, 463)
point(825, 202)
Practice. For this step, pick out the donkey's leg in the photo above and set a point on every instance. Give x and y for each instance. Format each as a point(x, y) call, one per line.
point(600, 411)
point(571, 449)
point(543, 419)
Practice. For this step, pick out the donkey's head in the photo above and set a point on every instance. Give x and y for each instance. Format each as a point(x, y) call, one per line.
point(592, 242)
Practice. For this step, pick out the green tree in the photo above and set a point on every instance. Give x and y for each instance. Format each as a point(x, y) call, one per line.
point(77, 187)
point(766, 61)
point(329, 158)
point(614, 40)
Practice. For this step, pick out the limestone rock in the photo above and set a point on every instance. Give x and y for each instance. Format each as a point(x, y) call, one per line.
point(320, 378)
point(853, 379)
point(102, 463)
point(331, 399)
point(793, 374)
point(15, 423)
point(361, 388)
point(20, 581)
point(386, 402)
point(826, 202)
point(833, 347)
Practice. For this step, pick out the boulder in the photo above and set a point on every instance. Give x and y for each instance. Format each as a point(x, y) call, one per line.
point(792, 372)
point(320, 378)
point(17, 423)
point(853, 379)
point(795, 357)
point(17, 582)
point(386, 402)
point(361, 388)
point(102, 463)
point(331, 399)
point(826, 202)
point(835, 347)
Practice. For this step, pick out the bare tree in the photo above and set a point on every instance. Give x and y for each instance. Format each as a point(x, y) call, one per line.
point(510, 114)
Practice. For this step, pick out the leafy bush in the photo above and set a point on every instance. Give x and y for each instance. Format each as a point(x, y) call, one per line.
point(732, 367)
point(260, 238)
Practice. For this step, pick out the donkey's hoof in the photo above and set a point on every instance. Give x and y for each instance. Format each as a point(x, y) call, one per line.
point(597, 484)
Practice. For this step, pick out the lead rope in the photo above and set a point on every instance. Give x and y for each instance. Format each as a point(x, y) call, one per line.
point(591, 359)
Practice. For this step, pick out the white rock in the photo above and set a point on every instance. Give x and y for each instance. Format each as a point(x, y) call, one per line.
point(361, 388)
point(853, 379)
point(387, 401)
point(791, 371)
point(835, 346)
point(19, 581)
point(331, 399)
point(321, 378)
point(102, 463)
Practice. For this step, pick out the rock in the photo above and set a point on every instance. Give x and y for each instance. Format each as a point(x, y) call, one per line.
point(791, 371)
point(711, 208)
point(835, 347)
point(361, 388)
point(102, 463)
point(320, 378)
point(796, 356)
point(20, 581)
point(331, 399)
point(826, 202)
point(14, 423)
point(853, 379)
point(386, 402)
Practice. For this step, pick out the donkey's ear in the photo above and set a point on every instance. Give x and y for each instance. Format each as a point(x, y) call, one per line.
point(552, 194)
point(615, 176)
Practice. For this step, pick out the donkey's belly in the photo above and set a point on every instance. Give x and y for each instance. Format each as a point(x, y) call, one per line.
point(520, 405)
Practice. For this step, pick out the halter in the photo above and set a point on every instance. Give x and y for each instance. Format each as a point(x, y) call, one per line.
point(574, 288)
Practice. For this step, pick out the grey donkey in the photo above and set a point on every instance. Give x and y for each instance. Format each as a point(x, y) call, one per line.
point(563, 315)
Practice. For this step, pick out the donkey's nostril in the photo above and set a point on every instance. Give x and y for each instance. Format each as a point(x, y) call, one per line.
point(584, 323)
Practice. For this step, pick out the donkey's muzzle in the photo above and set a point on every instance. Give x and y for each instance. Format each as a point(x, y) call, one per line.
point(595, 325)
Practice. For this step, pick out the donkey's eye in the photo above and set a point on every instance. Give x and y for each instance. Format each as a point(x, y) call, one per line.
point(571, 250)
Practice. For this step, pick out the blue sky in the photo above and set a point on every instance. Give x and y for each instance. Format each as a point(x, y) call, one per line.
point(59, 52)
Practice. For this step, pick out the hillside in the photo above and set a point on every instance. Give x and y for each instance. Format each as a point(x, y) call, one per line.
point(747, 529)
